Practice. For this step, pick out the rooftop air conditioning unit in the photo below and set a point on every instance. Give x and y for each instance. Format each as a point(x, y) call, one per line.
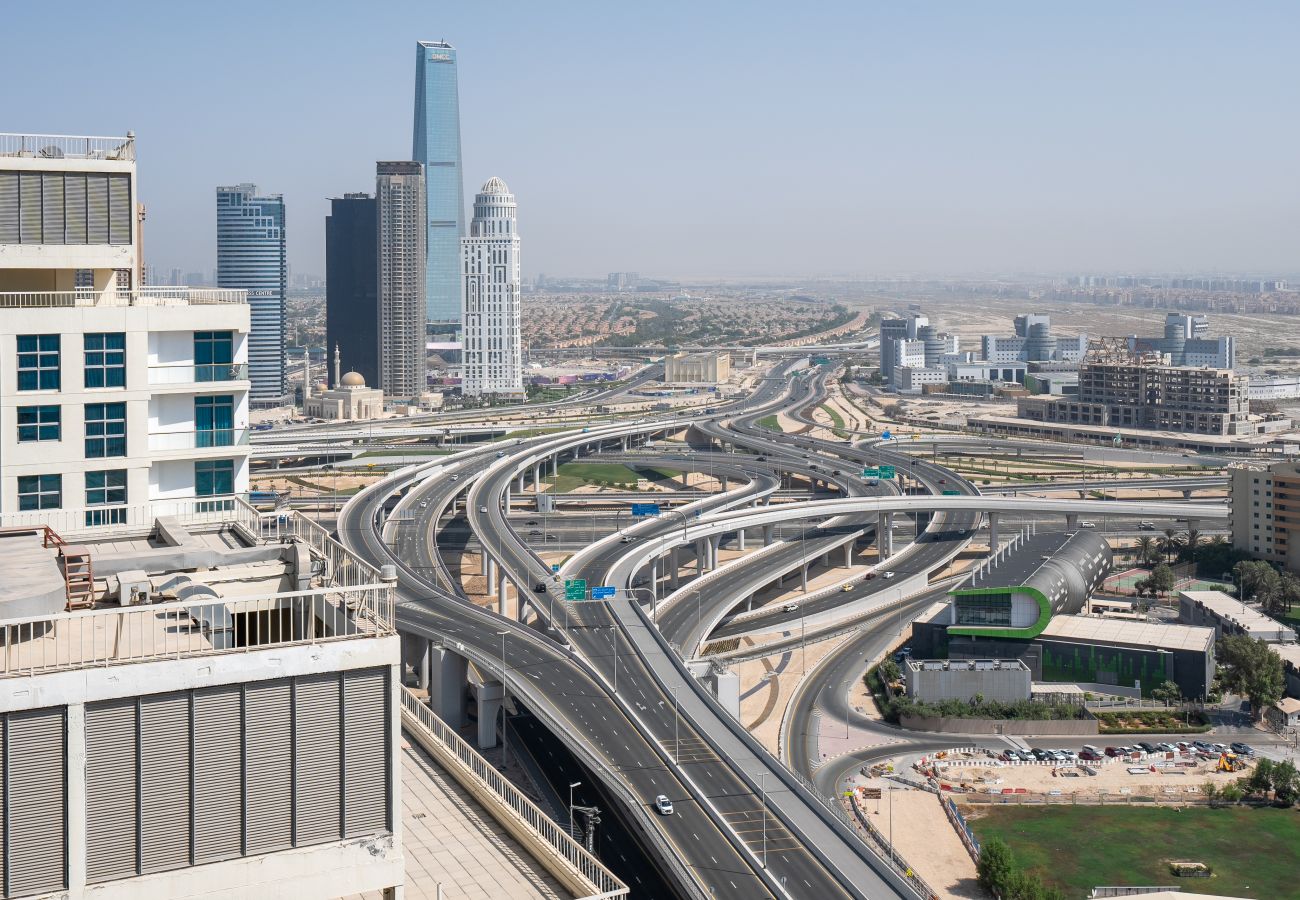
point(133, 588)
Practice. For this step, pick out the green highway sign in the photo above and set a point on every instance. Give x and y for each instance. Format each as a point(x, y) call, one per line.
point(887, 472)
point(951, 493)
point(870, 473)
point(575, 589)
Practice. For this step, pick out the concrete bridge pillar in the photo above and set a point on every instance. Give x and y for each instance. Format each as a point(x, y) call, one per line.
point(537, 478)
point(701, 555)
point(1187, 493)
point(848, 555)
point(674, 579)
point(490, 695)
point(489, 572)
point(503, 585)
point(769, 534)
point(726, 687)
point(826, 559)
point(993, 532)
point(625, 443)
point(654, 577)
point(447, 686)
point(714, 543)
point(1071, 521)
point(521, 481)
point(886, 538)
point(740, 540)
point(724, 481)
point(555, 465)
point(803, 577)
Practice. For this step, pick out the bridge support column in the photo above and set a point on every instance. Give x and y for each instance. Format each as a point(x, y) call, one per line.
point(726, 687)
point(502, 586)
point(724, 481)
point(625, 443)
point(714, 543)
point(886, 537)
point(1071, 521)
point(555, 465)
point(993, 532)
point(489, 572)
point(701, 555)
point(654, 577)
point(740, 540)
point(769, 534)
point(537, 478)
point(521, 482)
point(1187, 494)
point(506, 499)
point(848, 555)
point(803, 578)
point(489, 694)
point(826, 559)
point(447, 686)
point(674, 579)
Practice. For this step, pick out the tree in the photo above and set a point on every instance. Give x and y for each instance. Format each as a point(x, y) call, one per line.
point(1162, 579)
point(1252, 668)
point(1289, 590)
point(1146, 549)
point(1170, 544)
point(889, 671)
point(996, 866)
point(1169, 692)
point(1286, 783)
point(1255, 579)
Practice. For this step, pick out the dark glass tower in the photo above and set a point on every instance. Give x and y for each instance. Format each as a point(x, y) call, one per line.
point(251, 256)
point(352, 285)
point(437, 146)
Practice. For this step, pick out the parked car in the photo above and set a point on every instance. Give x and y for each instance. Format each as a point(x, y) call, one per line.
point(1090, 755)
point(1146, 747)
point(1242, 749)
point(1165, 747)
point(1039, 753)
point(663, 805)
point(1203, 746)
point(1114, 751)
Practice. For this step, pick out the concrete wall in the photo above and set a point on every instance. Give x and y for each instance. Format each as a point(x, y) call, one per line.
point(999, 726)
point(1007, 683)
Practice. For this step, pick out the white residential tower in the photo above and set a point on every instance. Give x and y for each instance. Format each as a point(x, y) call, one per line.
point(493, 353)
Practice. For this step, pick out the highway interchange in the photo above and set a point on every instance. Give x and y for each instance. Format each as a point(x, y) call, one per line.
point(613, 689)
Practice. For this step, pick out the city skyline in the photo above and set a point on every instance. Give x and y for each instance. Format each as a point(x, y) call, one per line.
point(950, 141)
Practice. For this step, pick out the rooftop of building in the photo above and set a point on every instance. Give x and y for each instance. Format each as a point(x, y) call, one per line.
point(1247, 618)
point(966, 665)
point(1145, 635)
point(189, 578)
point(146, 296)
point(1288, 705)
point(1132, 435)
point(67, 146)
point(1017, 562)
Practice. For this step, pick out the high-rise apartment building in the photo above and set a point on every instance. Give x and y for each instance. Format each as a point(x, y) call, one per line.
point(492, 358)
point(399, 195)
point(352, 285)
point(1187, 342)
point(251, 257)
point(110, 398)
point(1265, 512)
point(437, 147)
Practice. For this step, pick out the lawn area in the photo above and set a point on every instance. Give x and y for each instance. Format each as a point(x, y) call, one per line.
point(574, 475)
point(1253, 852)
point(770, 423)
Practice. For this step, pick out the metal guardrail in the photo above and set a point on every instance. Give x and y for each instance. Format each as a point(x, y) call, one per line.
point(201, 627)
point(860, 824)
point(67, 146)
point(156, 296)
point(603, 883)
point(225, 509)
point(198, 373)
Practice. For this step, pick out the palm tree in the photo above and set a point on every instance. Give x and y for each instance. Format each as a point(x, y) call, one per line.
point(1146, 548)
point(1170, 543)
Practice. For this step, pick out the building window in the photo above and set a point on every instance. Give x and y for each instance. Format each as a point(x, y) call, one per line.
point(214, 421)
point(214, 477)
point(108, 486)
point(214, 356)
point(38, 362)
point(105, 360)
point(105, 430)
point(39, 423)
point(40, 492)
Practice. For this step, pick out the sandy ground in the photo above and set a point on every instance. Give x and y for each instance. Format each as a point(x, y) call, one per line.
point(925, 838)
point(1112, 779)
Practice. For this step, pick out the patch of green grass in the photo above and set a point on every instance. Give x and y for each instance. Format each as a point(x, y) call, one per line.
point(1152, 721)
point(531, 432)
point(1253, 852)
point(770, 423)
point(574, 475)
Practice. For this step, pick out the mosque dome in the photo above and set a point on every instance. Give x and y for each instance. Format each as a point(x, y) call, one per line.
point(353, 379)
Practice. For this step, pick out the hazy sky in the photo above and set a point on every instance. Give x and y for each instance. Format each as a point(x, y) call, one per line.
point(715, 139)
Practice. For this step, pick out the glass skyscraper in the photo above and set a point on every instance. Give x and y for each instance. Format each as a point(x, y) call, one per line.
point(437, 146)
point(251, 256)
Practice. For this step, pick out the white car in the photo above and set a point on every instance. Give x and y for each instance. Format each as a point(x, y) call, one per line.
point(483, 510)
point(791, 607)
point(664, 805)
point(886, 575)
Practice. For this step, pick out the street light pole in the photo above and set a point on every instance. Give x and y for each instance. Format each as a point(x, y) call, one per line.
point(677, 739)
point(505, 691)
point(762, 787)
point(572, 785)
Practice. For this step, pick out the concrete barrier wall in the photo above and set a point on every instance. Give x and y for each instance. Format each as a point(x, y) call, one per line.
point(999, 726)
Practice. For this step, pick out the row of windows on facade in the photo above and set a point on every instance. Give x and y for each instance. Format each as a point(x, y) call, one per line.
point(105, 425)
point(108, 488)
point(39, 359)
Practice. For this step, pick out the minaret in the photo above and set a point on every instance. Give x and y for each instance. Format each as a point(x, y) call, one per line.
point(306, 376)
point(337, 369)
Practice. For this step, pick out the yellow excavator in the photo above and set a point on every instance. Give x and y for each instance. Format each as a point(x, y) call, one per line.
point(1230, 762)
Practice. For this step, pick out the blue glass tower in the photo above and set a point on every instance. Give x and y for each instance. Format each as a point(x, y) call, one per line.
point(251, 256)
point(437, 145)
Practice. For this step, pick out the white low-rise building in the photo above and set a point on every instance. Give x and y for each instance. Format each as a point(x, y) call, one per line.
point(111, 395)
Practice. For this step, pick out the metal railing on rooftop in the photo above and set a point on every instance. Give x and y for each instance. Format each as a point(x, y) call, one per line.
point(227, 509)
point(67, 146)
point(203, 627)
point(147, 296)
point(602, 882)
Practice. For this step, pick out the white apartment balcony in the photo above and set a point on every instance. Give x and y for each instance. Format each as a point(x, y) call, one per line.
point(191, 443)
point(148, 296)
point(200, 376)
point(67, 146)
